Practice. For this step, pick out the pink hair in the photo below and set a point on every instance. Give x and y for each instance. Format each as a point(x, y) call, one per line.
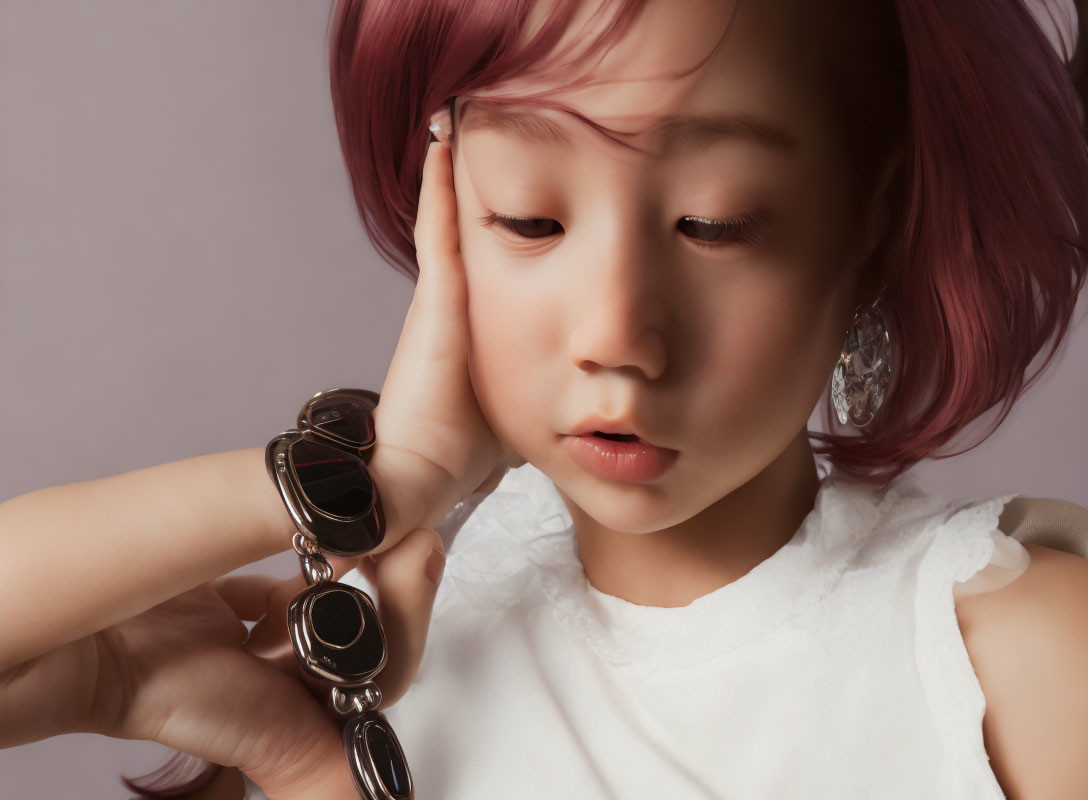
point(991, 199)
point(991, 202)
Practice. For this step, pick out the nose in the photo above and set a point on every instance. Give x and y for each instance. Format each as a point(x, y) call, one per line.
point(620, 305)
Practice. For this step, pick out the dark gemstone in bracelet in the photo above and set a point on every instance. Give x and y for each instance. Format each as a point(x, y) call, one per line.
point(333, 480)
point(387, 759)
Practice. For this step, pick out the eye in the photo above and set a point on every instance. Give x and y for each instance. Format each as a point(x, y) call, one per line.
point(743, 229)
point(525, 227)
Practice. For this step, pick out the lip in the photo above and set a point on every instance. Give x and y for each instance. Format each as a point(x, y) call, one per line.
point(622, 425)
point(633, 462)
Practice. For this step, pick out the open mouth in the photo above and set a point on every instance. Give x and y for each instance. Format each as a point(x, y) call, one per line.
point(619, 456)
point(617, 437)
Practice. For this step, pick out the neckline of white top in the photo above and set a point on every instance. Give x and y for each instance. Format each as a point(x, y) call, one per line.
point(523, 527)
point(777, 590)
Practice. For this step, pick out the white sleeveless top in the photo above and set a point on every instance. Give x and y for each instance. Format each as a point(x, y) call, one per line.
point(834, 668)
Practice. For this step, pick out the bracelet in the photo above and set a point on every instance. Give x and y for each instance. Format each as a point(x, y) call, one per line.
point(320, 469)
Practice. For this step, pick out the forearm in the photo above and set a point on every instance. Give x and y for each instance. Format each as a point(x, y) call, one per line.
point(80, 557)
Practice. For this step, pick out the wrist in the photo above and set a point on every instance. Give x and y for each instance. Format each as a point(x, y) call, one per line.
point(309, 775)
point(277, 527)
point(413, 492)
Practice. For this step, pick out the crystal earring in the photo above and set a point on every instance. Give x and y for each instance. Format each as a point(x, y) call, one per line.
point(859, 383)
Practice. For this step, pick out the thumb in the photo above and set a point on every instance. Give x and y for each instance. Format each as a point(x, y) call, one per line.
point(406, 579)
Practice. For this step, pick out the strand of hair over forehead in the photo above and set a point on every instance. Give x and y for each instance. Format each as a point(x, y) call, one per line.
point(542, 60)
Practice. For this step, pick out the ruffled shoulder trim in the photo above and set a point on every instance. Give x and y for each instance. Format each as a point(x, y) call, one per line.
point(962, 546)
point(1009, 561)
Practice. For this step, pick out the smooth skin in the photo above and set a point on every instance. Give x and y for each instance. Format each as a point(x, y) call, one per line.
point(159, 651)
point(1028, 644)
point(184, 673)
point(722, 353)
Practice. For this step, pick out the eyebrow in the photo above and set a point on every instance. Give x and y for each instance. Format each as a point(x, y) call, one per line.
point(669, 135)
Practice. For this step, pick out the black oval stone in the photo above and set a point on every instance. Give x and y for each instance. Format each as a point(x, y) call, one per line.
point(385, 753)
point(333, 480)
point(336, 618)
point(336, 636)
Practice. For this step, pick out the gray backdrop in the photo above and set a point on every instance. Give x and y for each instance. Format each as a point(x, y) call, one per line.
point(169, 179)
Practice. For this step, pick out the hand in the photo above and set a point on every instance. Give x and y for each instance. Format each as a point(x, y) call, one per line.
point(428, 411)
point(186, 673)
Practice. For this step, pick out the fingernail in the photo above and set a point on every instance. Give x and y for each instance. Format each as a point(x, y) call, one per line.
point(436, 562)
point(441, 126)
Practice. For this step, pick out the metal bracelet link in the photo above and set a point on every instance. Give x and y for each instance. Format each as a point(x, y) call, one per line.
point(315, 568)
point(334, 627)
point(303, 546)
point(348, 702)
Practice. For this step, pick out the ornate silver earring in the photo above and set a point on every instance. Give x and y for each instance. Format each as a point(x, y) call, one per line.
point(860, 380)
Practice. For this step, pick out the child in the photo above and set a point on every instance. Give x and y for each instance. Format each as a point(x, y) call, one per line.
point(672, 593)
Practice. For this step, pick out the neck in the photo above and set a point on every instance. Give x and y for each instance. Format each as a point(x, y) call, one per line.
point(674, 566)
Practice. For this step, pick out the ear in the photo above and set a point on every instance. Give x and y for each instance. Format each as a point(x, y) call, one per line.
point(873, 262)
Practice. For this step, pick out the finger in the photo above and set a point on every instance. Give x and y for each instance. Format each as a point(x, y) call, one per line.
point(269, 639)
point(436, 236)
point(368, 568)
point(237, 712)
point(294, 746)
point(442, 125)
point(405, 600)
point(341, 565)
point(247, 595)
point(510, 460)
point(492, 480)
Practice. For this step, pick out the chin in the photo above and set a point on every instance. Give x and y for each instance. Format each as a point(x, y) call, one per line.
point(622, 507)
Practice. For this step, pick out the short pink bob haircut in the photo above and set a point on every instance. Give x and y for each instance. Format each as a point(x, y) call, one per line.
point(991, 199)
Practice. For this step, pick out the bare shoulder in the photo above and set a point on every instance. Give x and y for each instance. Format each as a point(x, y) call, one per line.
point(1028, 643)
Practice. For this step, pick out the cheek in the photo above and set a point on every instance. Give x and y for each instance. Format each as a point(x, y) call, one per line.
point(762, 337)
point(512, 325)
point(788, 331)
point(784, 342)
point(776, 335)
point(771, 359)
point(511, 345)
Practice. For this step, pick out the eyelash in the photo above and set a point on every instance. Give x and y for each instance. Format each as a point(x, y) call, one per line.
point(743, 229)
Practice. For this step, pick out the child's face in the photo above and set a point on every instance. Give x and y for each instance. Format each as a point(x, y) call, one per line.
point(720, 354)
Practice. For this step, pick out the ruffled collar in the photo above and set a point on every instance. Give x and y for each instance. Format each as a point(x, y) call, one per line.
point(523, 531)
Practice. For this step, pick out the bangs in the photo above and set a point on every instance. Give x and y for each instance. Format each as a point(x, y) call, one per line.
point(538, 61)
